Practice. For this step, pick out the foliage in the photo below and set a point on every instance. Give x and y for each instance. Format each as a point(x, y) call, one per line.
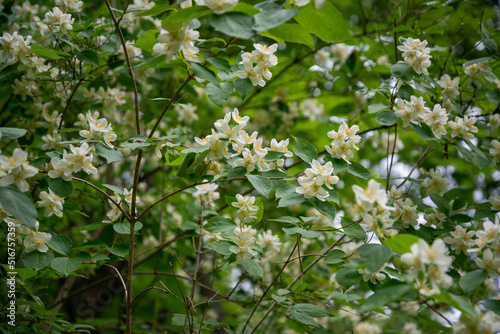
point(225, 166)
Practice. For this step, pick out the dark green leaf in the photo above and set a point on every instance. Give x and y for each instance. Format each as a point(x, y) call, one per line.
point(110, 154)
point(304, 150)
point(253, 268)
point(37, 260)
point(61, 187)
point(403, 71)
point(353, 229)
point(261, 184)
point(335, 256)
point(272, 18)
point(493, 305)
point(441, 203)
point(60, 243)
point(219, 224)
point(89, 57)
point(311, 310)
point(233, 24)
point(18, 205)
point(385, 296)
point(376, 107)
point(299, 230)
point(347, 277)
point(11, 133)
point(293, 33)
point(219, 63)
point(204, 73)
point(158, 9)
point(387, 118)
point(65, 266)
point(473, 279)
point(124, 228)
point(405, 92)
point(187, 14)
point(326, 208)
point(219, 93)
point(44, 52)
point(328, 24)
point(304, 318)
point(374, 256)
point(357, 169)
point(290, 199)
point(243, 87)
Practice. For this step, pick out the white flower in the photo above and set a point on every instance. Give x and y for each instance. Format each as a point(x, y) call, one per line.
point(489, 262)
point(263, 57)
point(495, 151)
point(248, 160)
point(436, 183)
point(495, 202)
point(450, 87)
point(416, 54)
point(367, 198)
point(269, 242)
point(311, 109)
point(461, 240)
point(319, 169)
point(51, 141)
point(463, 126)
point(281, 146)
point(17, 159)
point(218, 6)
point(405, 210)
point(311, 186)
point(52, 203)
point(70, 5)
point(37, 240)
point(58, 21)
point(436, 120)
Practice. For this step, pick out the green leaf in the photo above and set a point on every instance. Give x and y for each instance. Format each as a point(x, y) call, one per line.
point(403, 71)
point(60, 243)
point(387, 118)
point(357, 169)
point(61, 187)
point(44, 52)
point(219, 63)
point(423, 131)
point(18, 205)
point(233, 24)
point(457, 302)
point(473, 279)
point(328, 24)
point(65, 266)
point(204, 73)
point(243, 87)
point(37, 260)
point(347, 277)
point(272, 18)
point(89, 57)
point(488, 42)
point(374, 256)
point(299, 230)
point(304, 318)
point(352, 229)
point(335, 256)
point(401, 243)
point(311, 310)
point(219, 93)
point(286, 219)
point(110, 154)
point(479, 158)
point(158, 9)
point(293, 33)
point(261, 184)
point(384, 296)
point(405, 92)
point(114, 188)
point(326, 208)
point(304, 150)
point(11, 133)
point(273, 155)
point(121, 250)
point(147, 40)
point(442, 204)
point(376, 107)
point(278, 299)
point(291, 199)
point(245, 8)
point(253, 268)
point(198, 149)
point(187, 14)
point(219, 224)
point(221, 247)
point(493, 305)
point(124, 228)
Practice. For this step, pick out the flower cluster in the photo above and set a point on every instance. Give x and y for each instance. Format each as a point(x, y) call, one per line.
point(463, 127)
point(477, 72)
point(15, 48)
point(16, 169)
point(246, 208)
point(436, 182)
point(433, 261)
point(333, 57)
point(450, 90)
point(70, 5)
point(311, 109)
point(52, 203)
point(311, 184)
point(495, 151)
point(98, 128)
point(207, 192)
point(57, 20)
point(177, 37)
point(218, 6)
point(34, 240)
point(416, 54)
point(235, 137)
point(256, 64)
point(406, 211)
point(343, 140)
point(244, 239)
point(72, 163)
